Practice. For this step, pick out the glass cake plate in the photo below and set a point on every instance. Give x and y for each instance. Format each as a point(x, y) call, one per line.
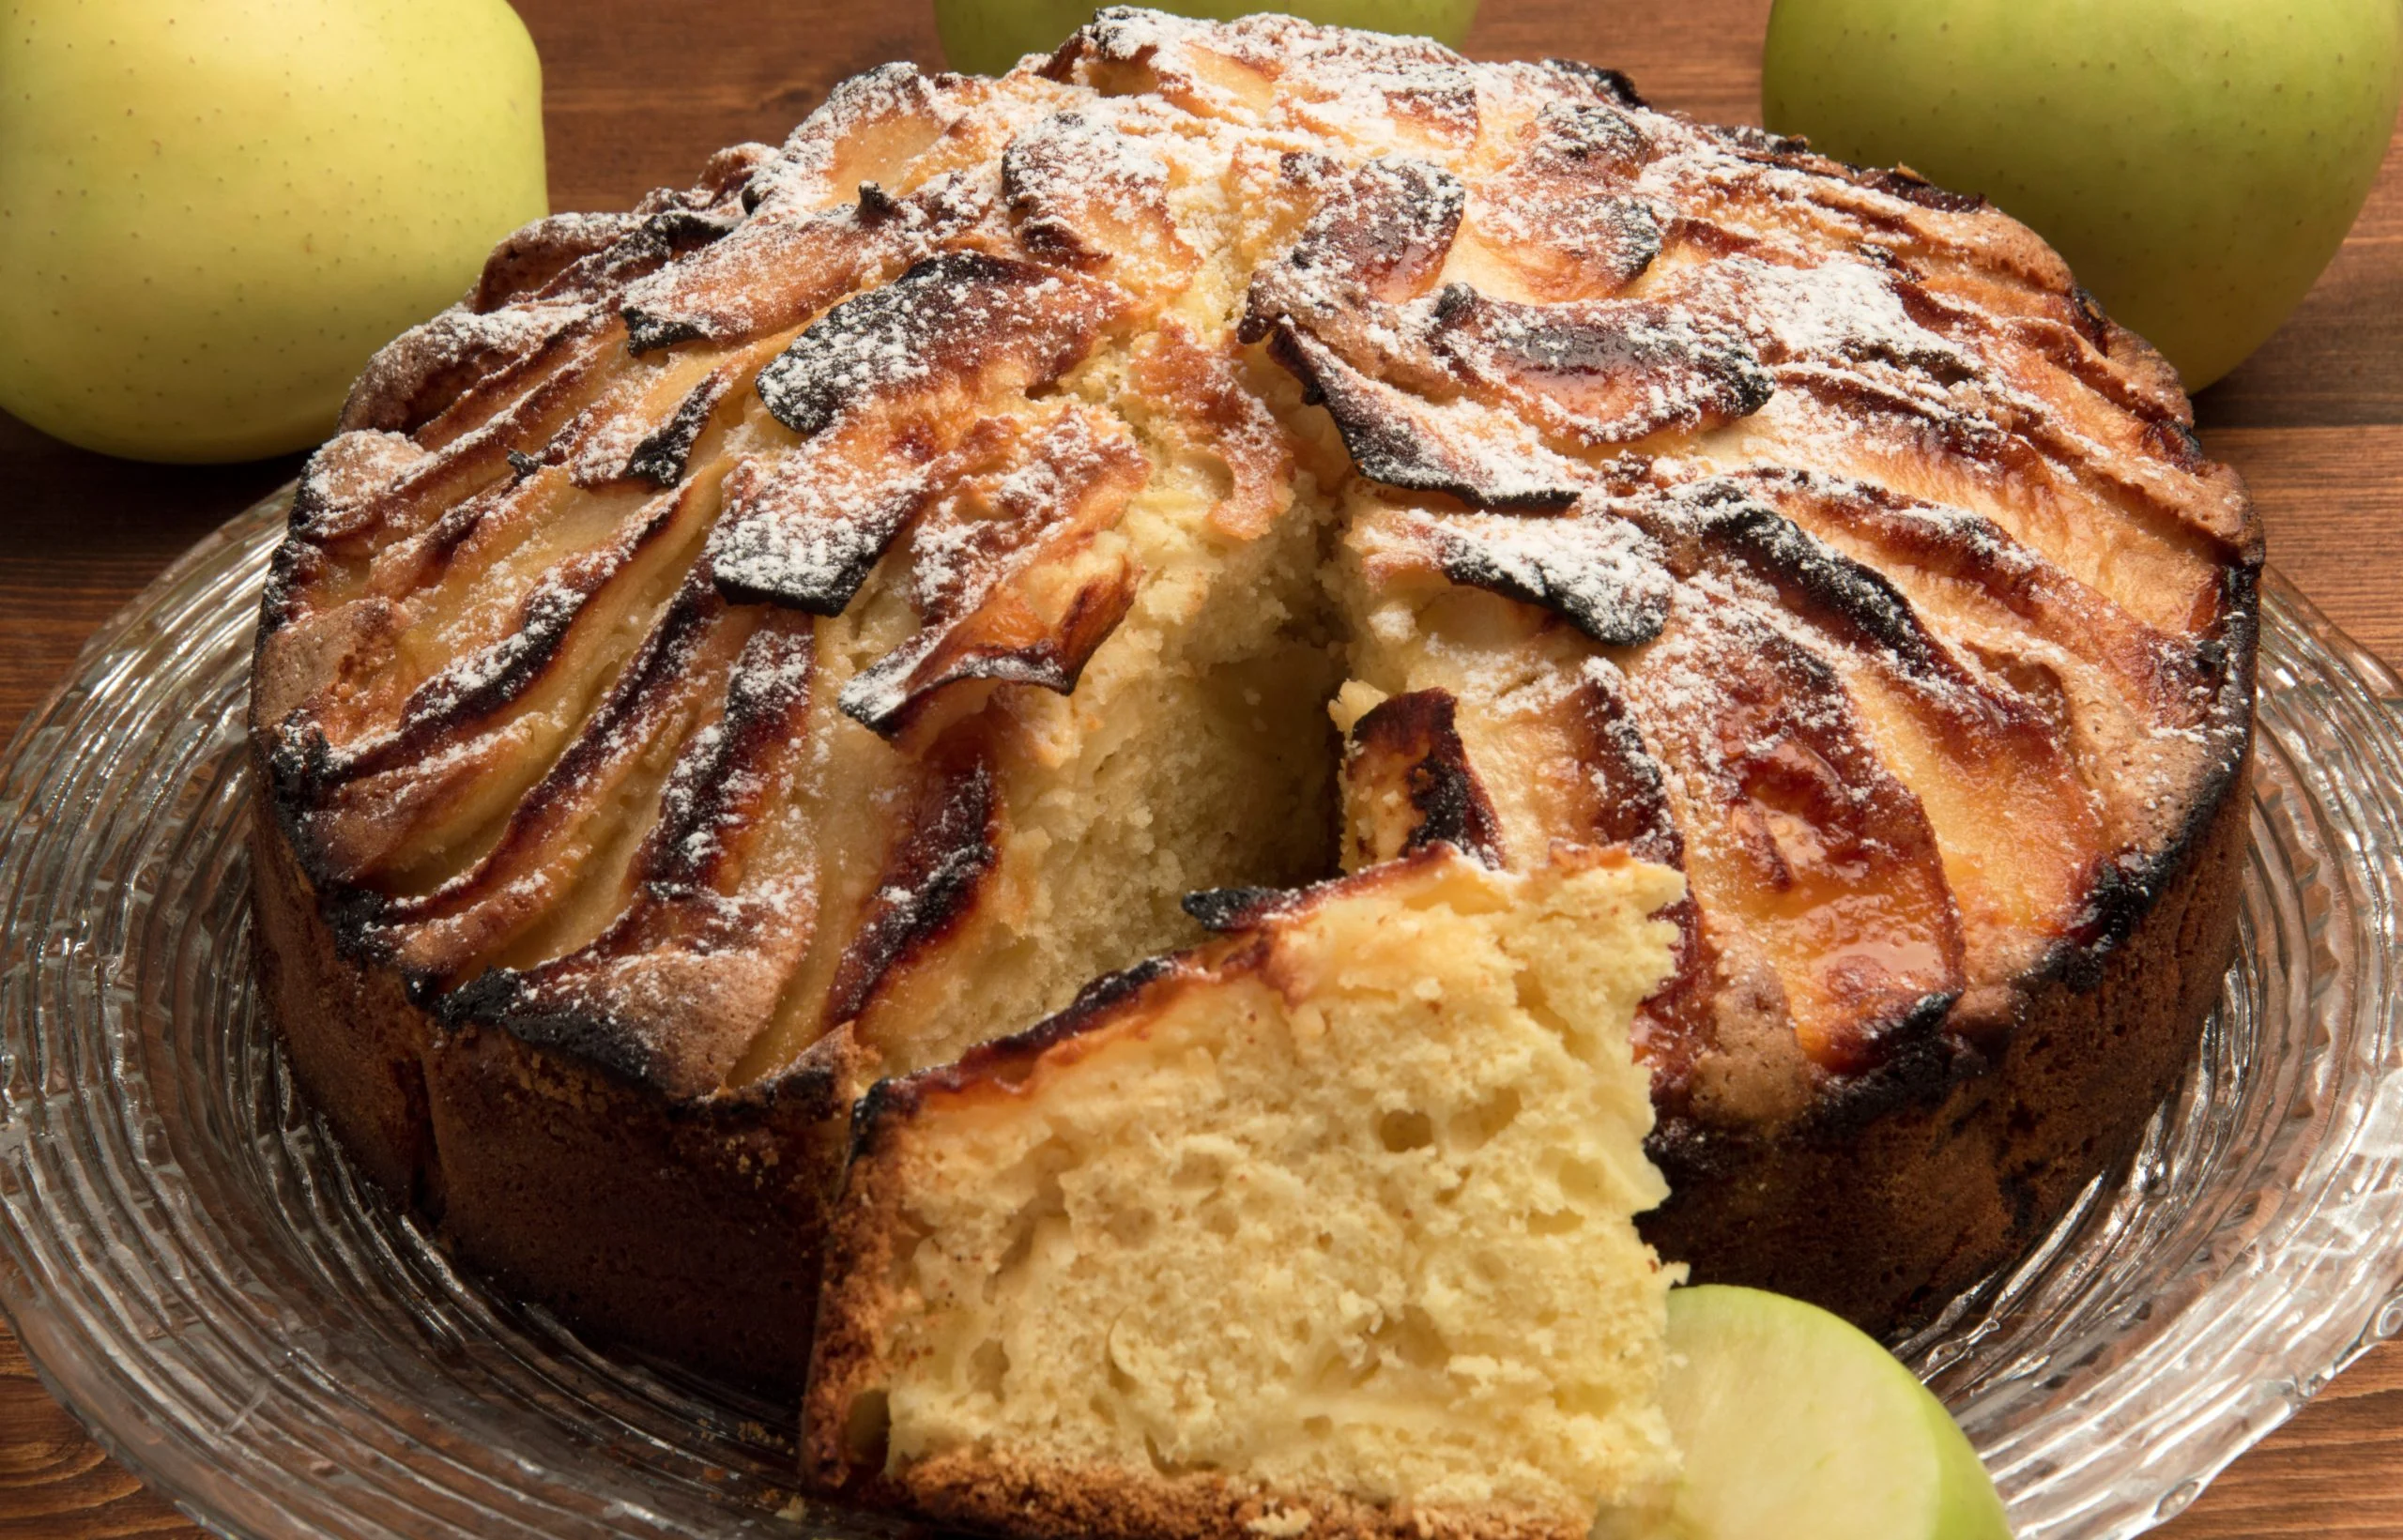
point(199, 1276)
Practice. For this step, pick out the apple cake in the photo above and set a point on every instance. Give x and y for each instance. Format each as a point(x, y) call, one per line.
point(1327, 1227)
point(777, 639)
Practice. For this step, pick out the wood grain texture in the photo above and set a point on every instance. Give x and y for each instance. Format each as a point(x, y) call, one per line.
point(636, 94)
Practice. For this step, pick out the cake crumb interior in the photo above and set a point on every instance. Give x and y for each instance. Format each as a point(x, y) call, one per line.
point(1355, 1219)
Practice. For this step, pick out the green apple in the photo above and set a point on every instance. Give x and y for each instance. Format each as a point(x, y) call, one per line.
point(2197, 161)
point(212, 211)
point(987, 37)
point(1796, 1425)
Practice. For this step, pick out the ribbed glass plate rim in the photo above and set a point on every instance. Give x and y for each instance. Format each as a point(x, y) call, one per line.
point(197, 1275)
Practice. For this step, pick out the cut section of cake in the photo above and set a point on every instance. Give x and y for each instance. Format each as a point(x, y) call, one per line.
point(1325, 1228)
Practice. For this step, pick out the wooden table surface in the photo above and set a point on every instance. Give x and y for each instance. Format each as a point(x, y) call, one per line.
point(636, 94)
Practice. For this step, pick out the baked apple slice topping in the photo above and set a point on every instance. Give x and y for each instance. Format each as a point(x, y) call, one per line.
point(726, 603)
point(883, 391)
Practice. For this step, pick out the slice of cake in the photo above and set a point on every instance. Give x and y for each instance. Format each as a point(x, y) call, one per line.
point(1325, 1228)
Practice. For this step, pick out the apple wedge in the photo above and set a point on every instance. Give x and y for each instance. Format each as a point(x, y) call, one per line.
point(1796, 1426)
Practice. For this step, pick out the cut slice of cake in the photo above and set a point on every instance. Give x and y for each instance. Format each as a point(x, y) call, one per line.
point(1325, 1228)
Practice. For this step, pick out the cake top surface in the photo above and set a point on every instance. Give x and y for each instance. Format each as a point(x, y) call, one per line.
point(688, 650)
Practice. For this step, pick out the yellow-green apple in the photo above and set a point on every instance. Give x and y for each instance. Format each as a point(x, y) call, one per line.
point(1794, 1426)
point(2197, 161)
point(987, 36)
point(212, 211)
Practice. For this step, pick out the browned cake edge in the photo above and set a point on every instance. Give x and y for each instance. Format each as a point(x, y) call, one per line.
point(688, 1230)
point(1905, 1188)
point(998, 1490)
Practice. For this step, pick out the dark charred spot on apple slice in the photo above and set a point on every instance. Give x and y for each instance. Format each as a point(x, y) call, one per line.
point(1400, 440)
point(2176, 443)
point(671, 232)
point(1819, 580)
point(1381, 236)
point(649, 333)
point(1115, 35)
point(660, 458)
point(1758, 144)
point(1565, 215)
point(876, 206)
point(1600, 573)
point(1608, 85)
point(2091, 323)
point(1604, 371)
point(950, 316)
point(1229, 909)
point(1408, 750)
point(1910, 186)
point(1630, 786)
point(930, 879)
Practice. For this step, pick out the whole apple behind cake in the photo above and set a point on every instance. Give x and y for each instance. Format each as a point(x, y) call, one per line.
point(784, 637)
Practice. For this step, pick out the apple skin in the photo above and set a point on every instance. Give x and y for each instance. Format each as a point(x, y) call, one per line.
point(212, 213)
point(1794, 1425)
point(2197, 161)
point(988, 36)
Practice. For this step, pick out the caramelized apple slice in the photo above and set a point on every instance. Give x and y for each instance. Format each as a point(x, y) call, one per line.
point(1391, 86)
point(1086, 194)
point(566, 845)
point(1015, 580)
point(1599, 571)
point(1599, 373)
point(1459, 446)
point(1562, 220)
point(1464, 393)
point(1197, 402)
point(2018, 830)
point(882, 389)
point(796, 254)
point(1795, 832)
point(408, 794)
point(717, 903)
point(1407, 785)
point(949, 841)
